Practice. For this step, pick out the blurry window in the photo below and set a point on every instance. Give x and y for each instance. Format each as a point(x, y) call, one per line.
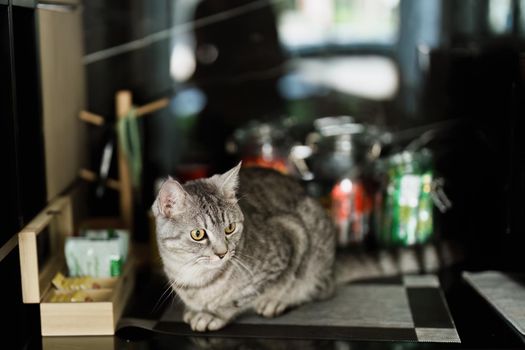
point(304, 24)
point(500, 16)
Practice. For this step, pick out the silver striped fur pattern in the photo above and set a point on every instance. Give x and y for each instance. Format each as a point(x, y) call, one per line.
point(280, 255)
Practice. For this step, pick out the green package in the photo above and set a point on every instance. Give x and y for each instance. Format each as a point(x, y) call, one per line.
point(99, 253)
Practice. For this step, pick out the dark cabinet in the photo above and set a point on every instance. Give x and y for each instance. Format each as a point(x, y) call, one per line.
point(28, 117)
point(21, 118)
point(22, 157)
point(9, 215)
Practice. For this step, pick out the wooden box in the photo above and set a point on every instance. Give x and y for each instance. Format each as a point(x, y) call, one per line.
point(96, 317)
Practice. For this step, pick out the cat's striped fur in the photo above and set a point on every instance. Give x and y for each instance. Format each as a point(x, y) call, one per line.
point(281, 254)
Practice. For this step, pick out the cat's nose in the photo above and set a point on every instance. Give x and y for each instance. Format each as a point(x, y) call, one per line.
point(221, 255)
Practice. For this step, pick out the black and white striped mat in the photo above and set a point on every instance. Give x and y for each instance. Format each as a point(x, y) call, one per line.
point(505, 292)
point(409, 308)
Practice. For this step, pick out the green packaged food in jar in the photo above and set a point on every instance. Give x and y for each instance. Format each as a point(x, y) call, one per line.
point(407, 205)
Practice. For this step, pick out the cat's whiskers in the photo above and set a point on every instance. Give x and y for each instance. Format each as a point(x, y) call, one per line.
point(172, 294)
point(235, 253)
point(244, 256)
point(175, 297)
point(192, 262)
point(235, 257)
point(202, 258)
point(237, 262)
point(162, 299)
point(254, 291)
point(238, 268)
point(174, 283)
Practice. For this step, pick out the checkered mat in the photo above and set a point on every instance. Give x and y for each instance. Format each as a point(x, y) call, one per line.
point(411, 308)
point(505, 292)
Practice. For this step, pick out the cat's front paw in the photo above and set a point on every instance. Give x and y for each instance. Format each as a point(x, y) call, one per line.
point(200, 321)
point(270, 307)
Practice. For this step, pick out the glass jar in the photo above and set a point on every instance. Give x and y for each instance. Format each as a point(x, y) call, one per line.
point(338, 145)
point(262, 144)
point(406, 207)
point(351, 207)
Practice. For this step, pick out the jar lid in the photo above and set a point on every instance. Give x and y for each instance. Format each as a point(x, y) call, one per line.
point(338, 125)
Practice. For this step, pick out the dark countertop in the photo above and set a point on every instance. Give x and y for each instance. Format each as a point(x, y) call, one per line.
point(478, 325)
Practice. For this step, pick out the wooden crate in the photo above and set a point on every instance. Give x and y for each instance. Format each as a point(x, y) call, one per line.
point(97, 317)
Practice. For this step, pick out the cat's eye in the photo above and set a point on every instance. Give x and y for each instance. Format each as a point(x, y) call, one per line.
point(198, 234)
point(230, 228)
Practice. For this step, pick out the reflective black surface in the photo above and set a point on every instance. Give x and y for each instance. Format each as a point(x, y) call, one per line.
point(453, 67)
point(22, 158)
point(477, 323)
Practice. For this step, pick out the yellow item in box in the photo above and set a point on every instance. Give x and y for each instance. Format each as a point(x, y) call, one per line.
point(62, 282)
point(78, 296)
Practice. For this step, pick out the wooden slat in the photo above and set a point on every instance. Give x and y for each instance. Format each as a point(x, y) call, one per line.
point(29, 267)
point(152, 107)
point(89, 175)
point(148, 108)
point(91, 118)
point(63, 96)
point(34, 280)
point(41, 221)
point(64, 226)
point(89, 318)
point(79, 343)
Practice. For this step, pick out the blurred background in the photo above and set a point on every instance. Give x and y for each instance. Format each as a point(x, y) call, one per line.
point(325, 91)
point(401, 116)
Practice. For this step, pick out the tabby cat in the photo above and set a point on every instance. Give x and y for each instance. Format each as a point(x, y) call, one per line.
point(250, 239)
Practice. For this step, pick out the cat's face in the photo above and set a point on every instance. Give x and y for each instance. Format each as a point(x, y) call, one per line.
point(199, 226)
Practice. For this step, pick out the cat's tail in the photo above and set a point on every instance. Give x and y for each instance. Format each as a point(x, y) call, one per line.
point(430, 258)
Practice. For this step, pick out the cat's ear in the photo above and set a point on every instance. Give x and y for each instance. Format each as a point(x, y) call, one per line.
point(171, 199)
point(229, 182)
